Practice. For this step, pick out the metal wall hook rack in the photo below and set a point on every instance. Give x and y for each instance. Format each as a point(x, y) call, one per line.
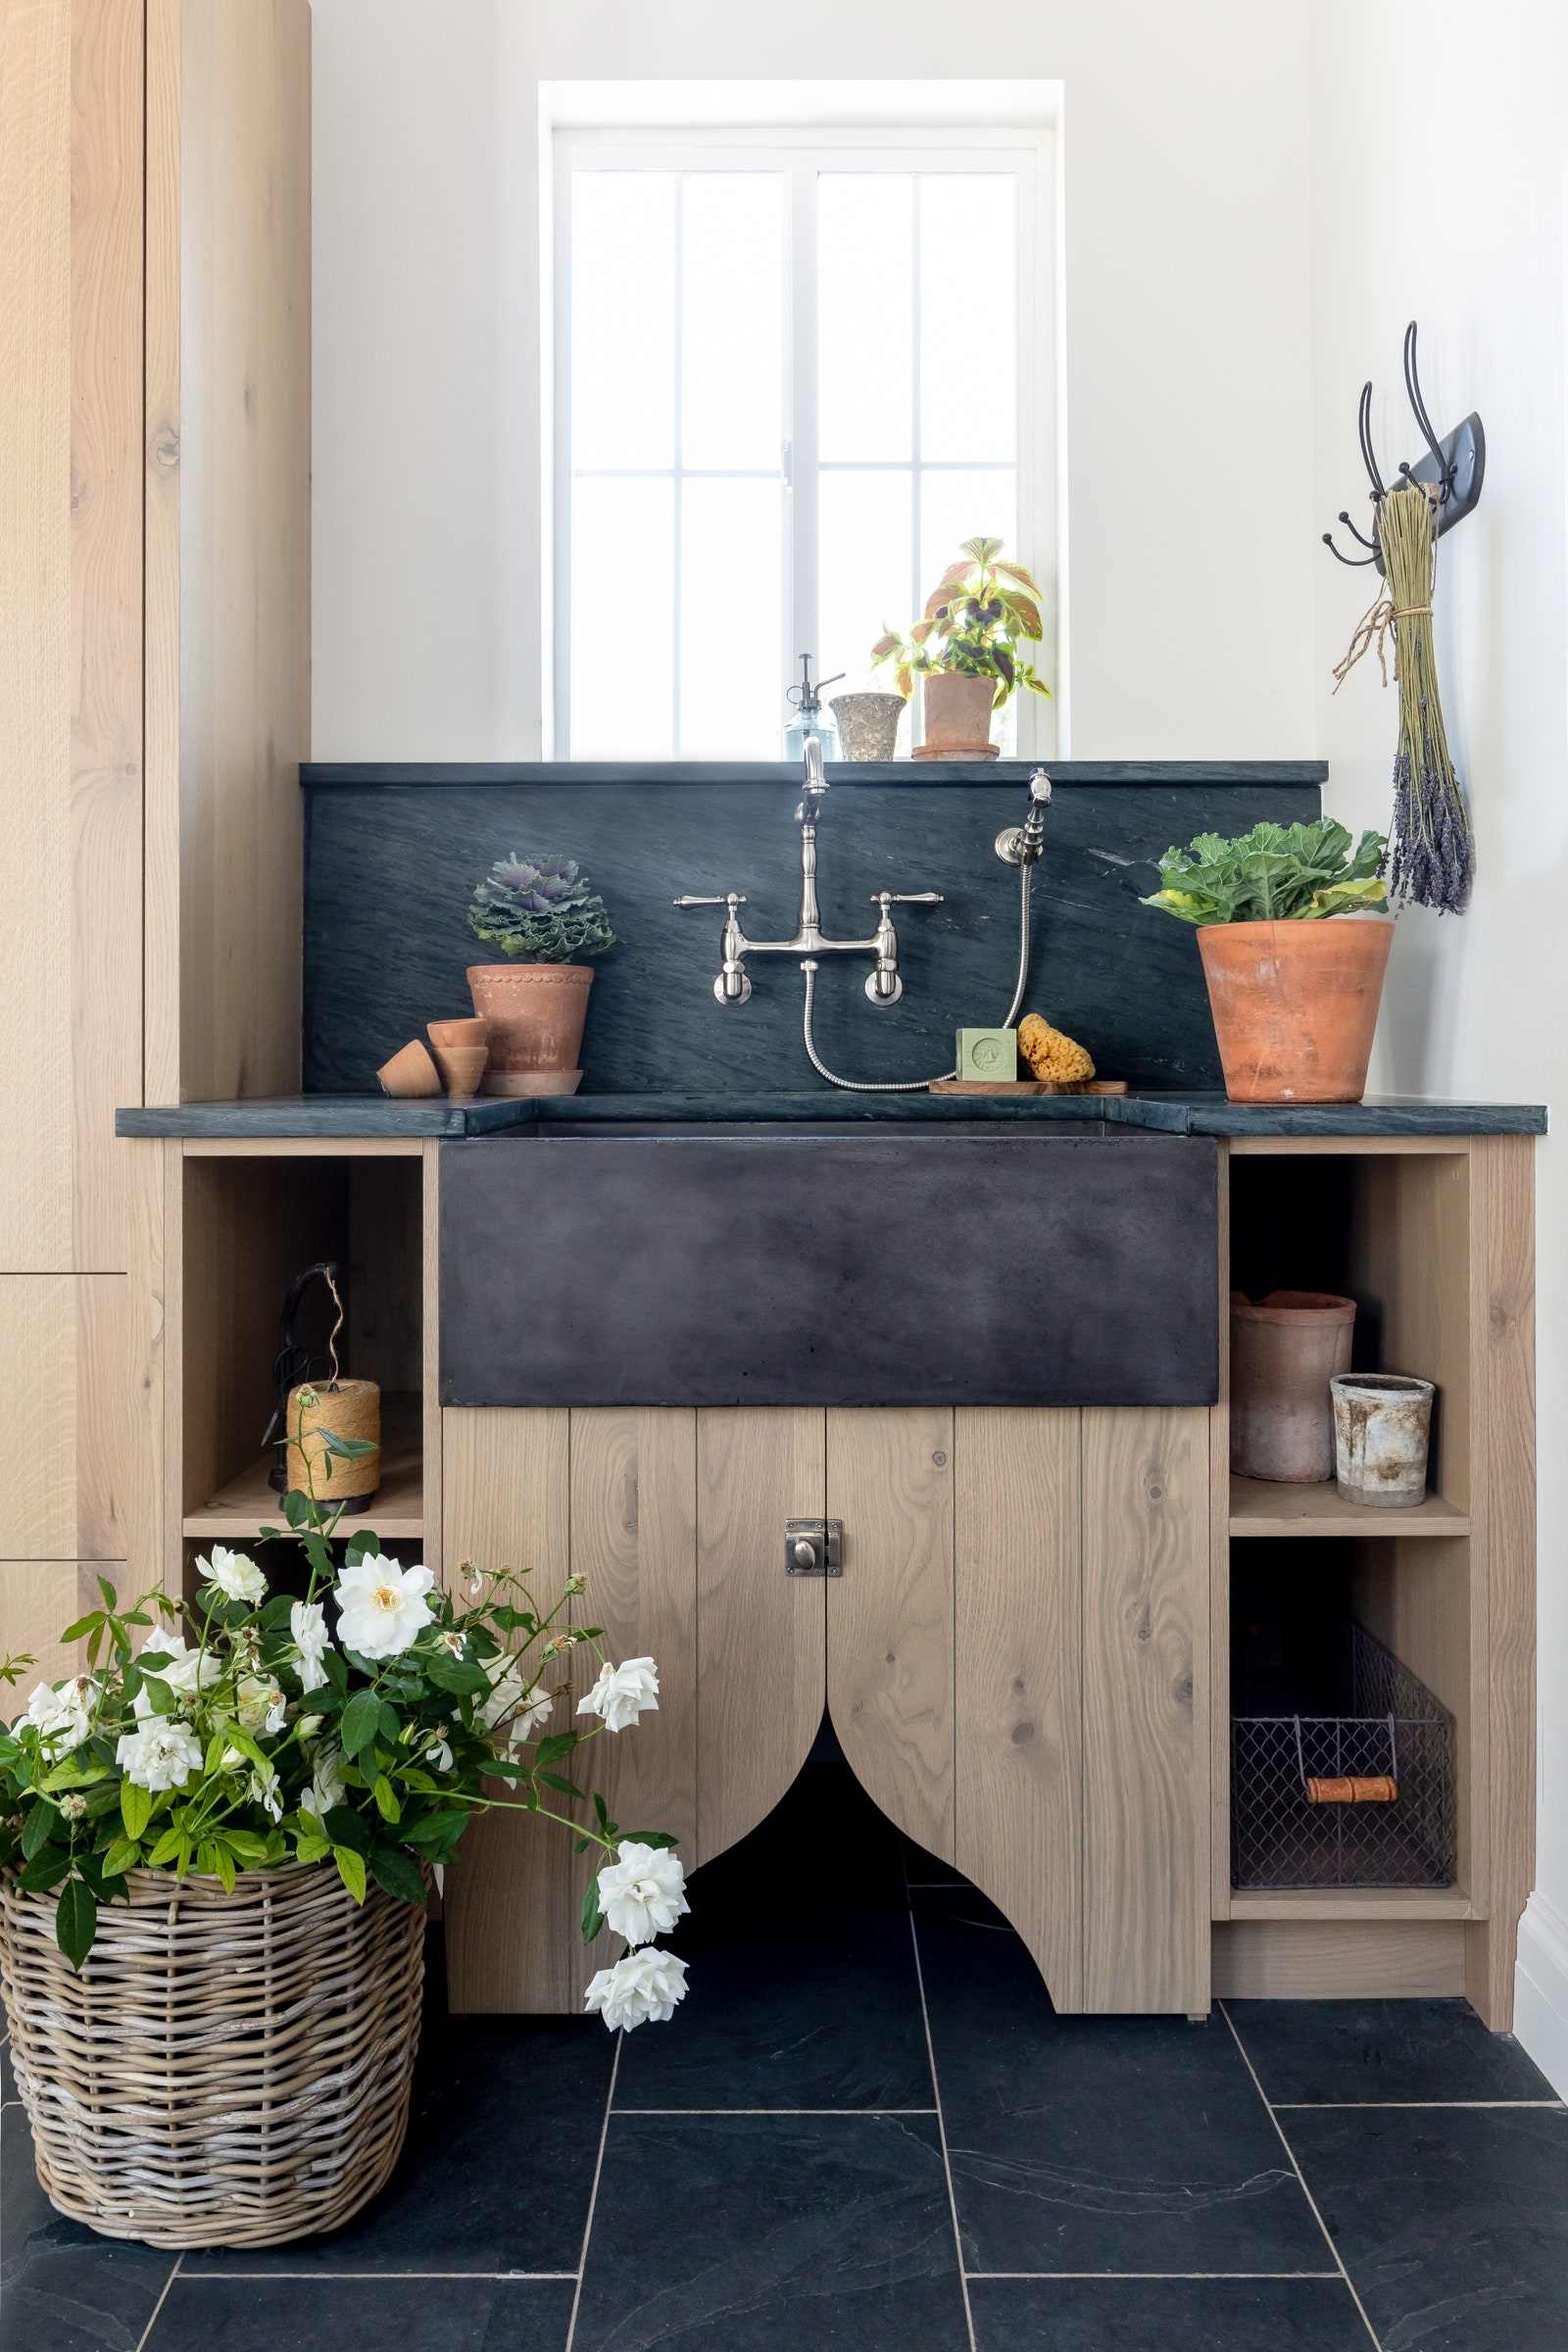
point(1453, 466)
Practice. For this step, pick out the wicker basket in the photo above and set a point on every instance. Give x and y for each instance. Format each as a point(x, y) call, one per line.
point(228, 2070)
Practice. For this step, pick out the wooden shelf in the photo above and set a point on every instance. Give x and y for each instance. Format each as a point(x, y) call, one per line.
point(247, 1503)
point(1350, 1903)
point(1261, 1507)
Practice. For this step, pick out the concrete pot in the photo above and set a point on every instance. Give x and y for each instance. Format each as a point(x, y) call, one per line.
point(868, 724)
point(1382, 1428)
point(1284, 1352)
point(956, 713)
point(533, 1015)
point(1296, 1004)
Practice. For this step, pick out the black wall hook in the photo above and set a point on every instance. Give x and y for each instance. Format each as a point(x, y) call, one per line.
point(1452, 467)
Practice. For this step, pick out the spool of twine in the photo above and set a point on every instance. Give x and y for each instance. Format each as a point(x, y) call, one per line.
point(348, 1408)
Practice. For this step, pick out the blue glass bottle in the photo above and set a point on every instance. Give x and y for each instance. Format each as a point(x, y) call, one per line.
point(807, 716)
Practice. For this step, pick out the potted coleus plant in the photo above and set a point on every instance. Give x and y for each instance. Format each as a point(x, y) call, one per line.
point(966, 650)
point(216, 1851)
point(1293, 932)
point(541, 913)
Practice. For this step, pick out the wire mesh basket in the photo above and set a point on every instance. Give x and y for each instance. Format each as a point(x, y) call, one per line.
point(1363, 1800)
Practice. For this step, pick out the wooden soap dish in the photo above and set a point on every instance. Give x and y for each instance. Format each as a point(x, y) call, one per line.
point(1027, 1086)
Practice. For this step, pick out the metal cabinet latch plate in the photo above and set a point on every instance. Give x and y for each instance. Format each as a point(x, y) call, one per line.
point(811, 1546)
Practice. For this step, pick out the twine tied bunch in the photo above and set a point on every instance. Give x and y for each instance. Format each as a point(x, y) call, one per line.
point(1431, 854)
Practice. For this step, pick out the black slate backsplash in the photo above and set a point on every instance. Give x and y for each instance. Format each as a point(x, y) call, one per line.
point(390, 869)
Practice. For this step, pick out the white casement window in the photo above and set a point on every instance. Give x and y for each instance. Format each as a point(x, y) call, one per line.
point(791, 375)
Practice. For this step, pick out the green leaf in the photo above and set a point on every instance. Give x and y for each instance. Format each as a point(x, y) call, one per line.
point(351, 1870)
point(41, 1825)
point(311, 1850)
point(124, 1855)
point(135, 1807)
point(76, 1922)
point(249, 1846)
point(553, 1780)
point(558, 1744)
point(435, 1831)
point(166, 1847)
point(82, 1628)
point(386, 1803)
point(394, 1870)
point(345, 1828)
point(223, 1856)
point(296, 1509)
point(455, 1675)
point(207, 1858)
point(592, 1919)
point(361, 1719)
point(44, 1871)
point(276, 1612)
point(351, 1450)
point(111, 1597)
point(650, 1838)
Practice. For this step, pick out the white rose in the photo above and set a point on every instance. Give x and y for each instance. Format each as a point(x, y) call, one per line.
point(327, 1787)
point(644, 1892)
point(264, 1790)
point(506, 1689)
point(307, 1621)
point(623, 1694)
point(263, 1703)
point(235, 1576)
point(383, 1608)
point(437, 1753)
point(162, 1754)
point(641, 1985)
point(186, 1671)
point(63, 1712)
point(530, 1716)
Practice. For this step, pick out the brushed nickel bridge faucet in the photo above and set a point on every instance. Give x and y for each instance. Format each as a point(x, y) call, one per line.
point(1018, 846)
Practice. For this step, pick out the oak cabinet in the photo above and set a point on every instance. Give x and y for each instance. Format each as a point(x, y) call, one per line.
point(1010, 1657)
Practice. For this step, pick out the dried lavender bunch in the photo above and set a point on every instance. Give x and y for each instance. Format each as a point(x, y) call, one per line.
point(1431, 854)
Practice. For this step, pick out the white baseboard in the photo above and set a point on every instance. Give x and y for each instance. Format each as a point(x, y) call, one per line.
point(1540, 1990)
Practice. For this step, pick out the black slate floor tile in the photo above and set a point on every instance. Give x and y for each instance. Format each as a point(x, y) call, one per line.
point(809, 2001)
point(1101, 2144)
point(1452, 2222)
point(61, 2288)
point(1165, 2315)
point(497, 2170)
point(772, 2233)
point(362, 2314)
point(1332, 2051)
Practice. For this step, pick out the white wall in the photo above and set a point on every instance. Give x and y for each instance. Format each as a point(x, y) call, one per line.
point(1440, 149)
point(1189, 491)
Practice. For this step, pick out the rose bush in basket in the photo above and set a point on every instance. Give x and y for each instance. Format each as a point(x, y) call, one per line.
point(357, 1725)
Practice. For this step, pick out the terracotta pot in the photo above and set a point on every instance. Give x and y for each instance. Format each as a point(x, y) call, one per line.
point(458, 1033)
point(1294, 1005)
point(461, 1067)
point(534, 1014)
point(411, 1071)
point(955, 712)
point(1284, 1352)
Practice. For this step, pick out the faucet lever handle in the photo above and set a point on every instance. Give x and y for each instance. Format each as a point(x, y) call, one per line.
point(907, 898)
point(728, 897)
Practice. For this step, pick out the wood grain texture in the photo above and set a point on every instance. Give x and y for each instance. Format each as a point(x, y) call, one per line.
point(1219, 1578)
point(890, 1633)
point(1017, 1542)
point(1416, 1599)
point(106, 618)
point(634, 1542)
point(227, 469)
point(65, 1339)
point(762, 1673)
point(1283, 1960)
point(511, 1934)
point(1413, 1230)
point(38, 1599)
point(36, 683)
point(1146, 1868)
point(1503, 1559)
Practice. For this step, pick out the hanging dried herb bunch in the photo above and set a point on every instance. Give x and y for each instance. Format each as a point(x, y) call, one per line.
point(1431, 854)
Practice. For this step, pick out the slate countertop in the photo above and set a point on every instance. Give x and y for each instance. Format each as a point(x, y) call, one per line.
point(347, 1116)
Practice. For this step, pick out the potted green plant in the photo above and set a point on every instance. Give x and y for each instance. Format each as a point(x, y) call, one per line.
point(216, 1848)
point(1293, 932)
point(966, 650)
point(541, 913)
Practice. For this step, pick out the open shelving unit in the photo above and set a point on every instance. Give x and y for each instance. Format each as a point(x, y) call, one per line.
point(1432, 1238)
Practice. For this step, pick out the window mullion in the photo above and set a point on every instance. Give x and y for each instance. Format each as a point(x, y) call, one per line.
point(677, 487)
point(801, 618)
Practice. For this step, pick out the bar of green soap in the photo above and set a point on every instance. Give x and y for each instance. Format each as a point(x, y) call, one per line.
point(989, 1053)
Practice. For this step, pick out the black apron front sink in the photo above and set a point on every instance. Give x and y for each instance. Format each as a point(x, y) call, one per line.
point(821, 1267)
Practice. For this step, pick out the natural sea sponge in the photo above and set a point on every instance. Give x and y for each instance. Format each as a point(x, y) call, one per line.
point(1049, 1054)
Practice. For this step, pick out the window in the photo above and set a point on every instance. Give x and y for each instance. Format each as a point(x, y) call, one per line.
point(792, 375)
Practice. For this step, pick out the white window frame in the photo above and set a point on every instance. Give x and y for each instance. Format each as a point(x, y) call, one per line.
point(799, 154)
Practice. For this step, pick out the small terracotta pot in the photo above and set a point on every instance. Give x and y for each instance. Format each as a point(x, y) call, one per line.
point(955, 712)
point(1284, 1352)
point(458, 1033)
point(1294, 1005)
point(461, 1067)
point(410, 1072)
point(533, 1014)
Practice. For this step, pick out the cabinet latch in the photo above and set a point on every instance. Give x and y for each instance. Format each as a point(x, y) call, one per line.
point(811, 1546)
